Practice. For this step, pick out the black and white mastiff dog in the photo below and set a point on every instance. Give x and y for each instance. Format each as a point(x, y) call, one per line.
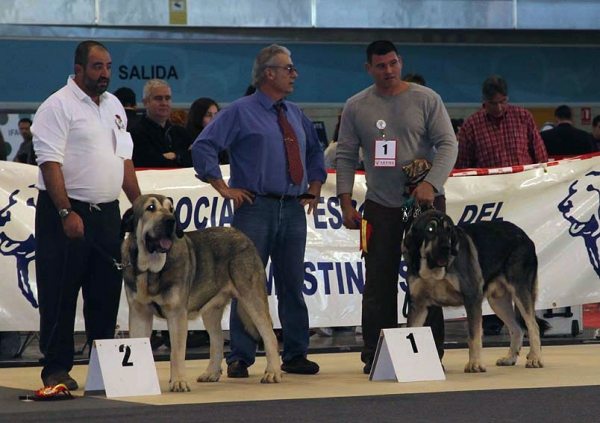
point(179, 276)
point(450, 265)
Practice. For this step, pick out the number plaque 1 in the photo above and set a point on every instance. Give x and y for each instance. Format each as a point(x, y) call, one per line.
point(122, 368)
point(406, 355)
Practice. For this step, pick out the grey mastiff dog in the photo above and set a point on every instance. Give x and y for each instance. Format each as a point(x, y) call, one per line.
point(179, 276)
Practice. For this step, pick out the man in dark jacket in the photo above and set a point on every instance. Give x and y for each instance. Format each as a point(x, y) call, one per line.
point(596, 132)
point(156, 141)
point(565, 139)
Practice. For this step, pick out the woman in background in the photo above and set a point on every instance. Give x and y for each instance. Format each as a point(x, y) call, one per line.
point(202, 111)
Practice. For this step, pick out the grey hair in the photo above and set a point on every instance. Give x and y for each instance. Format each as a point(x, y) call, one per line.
point(152, 84)
point(266, 57)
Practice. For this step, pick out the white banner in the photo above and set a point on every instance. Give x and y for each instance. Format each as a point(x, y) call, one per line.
point(556, 204)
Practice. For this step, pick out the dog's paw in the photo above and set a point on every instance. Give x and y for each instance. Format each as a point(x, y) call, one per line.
point(272, 377)
point(506, 361)
point(209, 376)
point(179, 386)
point(534, 362)
point(474, 367)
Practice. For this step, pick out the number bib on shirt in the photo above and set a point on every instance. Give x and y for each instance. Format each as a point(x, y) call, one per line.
point(385, 153)
point(123, 143)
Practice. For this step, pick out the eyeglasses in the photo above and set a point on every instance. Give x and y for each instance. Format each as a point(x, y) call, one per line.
point(290, 68)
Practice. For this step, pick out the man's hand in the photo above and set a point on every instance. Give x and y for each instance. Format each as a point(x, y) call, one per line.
point(237, 195)
point(170, 155)
point(314, 188)
point(351, 217)
point(424, 194)
point(73, 226)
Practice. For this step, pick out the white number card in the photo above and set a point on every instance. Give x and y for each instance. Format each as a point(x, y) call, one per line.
point(385, 153)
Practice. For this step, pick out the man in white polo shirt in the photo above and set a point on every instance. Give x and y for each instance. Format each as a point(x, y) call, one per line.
point(84, 155)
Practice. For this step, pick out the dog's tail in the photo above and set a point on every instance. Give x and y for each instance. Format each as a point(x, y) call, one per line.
point(542, 324)
point(248, 324)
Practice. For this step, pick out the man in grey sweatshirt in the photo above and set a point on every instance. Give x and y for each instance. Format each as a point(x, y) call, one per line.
point(394, 122)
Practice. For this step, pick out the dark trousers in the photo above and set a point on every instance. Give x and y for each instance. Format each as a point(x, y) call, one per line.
point(278, 230)
point(382, 263)
point(64, 266)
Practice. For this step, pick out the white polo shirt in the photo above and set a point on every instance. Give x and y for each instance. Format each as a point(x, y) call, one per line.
point(89, 141)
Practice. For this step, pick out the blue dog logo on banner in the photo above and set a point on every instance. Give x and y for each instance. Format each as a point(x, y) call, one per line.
point(586, 224)
point(22, 249)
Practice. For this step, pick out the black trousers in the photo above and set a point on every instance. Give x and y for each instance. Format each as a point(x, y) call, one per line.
point(64, 266)
point(382, 262)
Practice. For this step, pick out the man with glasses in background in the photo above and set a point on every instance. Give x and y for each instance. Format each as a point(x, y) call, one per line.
point(277, 168)
point(499, 134)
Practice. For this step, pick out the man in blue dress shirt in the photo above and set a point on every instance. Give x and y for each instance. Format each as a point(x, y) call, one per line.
point(269, 204)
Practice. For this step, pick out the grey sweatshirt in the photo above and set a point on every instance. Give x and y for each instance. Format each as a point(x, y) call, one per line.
point(416, 119)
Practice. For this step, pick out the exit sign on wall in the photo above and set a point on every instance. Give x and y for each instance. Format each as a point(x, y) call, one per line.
point(586, 116)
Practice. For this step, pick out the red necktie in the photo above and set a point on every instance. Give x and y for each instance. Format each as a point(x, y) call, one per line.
point(292, 149)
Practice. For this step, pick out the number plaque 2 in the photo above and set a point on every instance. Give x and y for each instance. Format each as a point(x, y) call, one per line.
point(406, 355)
point(122, 368)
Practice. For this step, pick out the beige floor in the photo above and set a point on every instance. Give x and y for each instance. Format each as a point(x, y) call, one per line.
point(341, 376)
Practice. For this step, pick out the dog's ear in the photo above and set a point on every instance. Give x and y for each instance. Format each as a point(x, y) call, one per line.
point(178, 229)
point(408, 237)
point(453, 240)
point(127, 222)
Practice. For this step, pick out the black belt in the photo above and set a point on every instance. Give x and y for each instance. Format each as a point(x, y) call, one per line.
point(287, 197)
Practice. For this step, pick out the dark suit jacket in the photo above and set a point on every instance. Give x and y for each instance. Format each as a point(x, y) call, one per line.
point(566, 140)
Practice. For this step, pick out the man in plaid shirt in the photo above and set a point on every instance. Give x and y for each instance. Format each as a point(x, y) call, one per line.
point(499, 135)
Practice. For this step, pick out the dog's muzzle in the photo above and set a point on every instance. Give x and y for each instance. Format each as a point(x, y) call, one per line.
point(162, 238)
point(440, 257)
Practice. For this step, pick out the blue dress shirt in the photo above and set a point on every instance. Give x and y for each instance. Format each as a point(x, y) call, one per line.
point(258, 163)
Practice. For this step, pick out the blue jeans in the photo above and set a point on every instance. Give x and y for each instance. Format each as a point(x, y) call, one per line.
point(278, 230)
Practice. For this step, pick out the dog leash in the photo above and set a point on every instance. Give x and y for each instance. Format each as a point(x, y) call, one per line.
point(410, 211)
point(118, 265)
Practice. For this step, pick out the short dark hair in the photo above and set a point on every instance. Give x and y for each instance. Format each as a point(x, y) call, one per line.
point(596, 121)
point(126, 96)
point(82, 52)
point(563, 112)
point(493, 85)
point(26, 120)
point(416, 78)
point(380, 47)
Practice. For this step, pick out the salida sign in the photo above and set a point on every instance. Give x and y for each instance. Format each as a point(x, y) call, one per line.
point(148, 72)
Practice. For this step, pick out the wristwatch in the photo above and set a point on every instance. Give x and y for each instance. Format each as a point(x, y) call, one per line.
point(64, 212)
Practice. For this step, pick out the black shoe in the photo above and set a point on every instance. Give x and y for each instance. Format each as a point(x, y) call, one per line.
point(368, 366)
point(61, 377)
point(237, 369)
point(300, 365)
